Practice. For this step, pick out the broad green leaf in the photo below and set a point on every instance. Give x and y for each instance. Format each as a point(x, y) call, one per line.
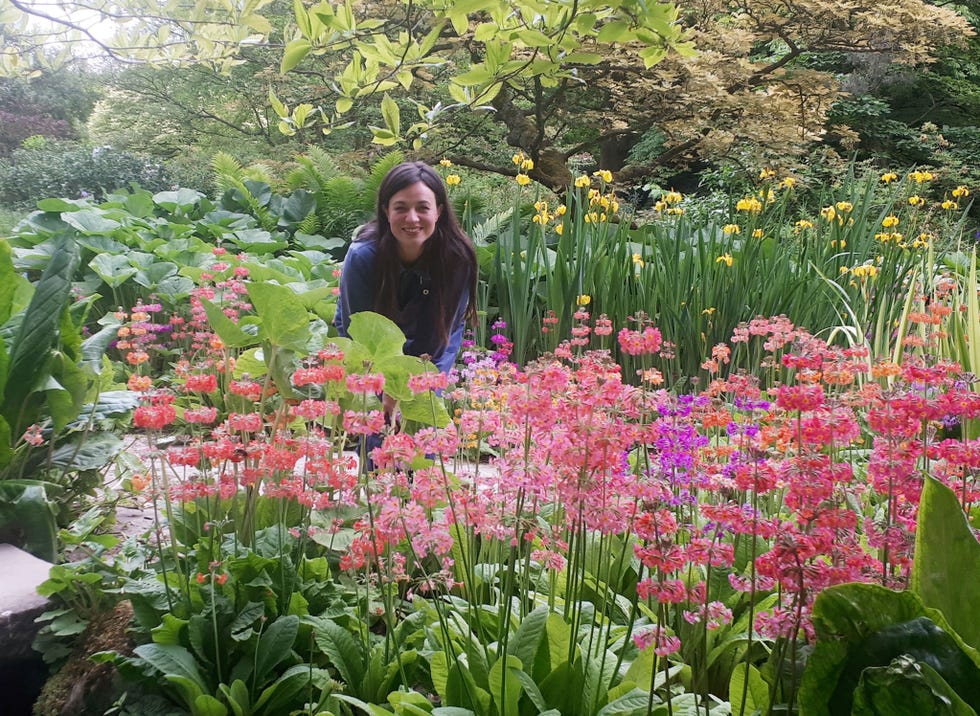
point(641, 670)
point(285, 320)
point(505, 686)
point(114, 269)
point(257, 241)
point(241, 627)
point(29, 509)
point(526, 642)
point(372, 709)
point(227, 330)
point(57, 205)
point(6, 451)
point(87, 451)
point(39, 330)
point(412, 699)
point(462, 690)
point(476, 75)
point(189, 690)
point(90, 221)
point(866, 624)
point(153, 274)
point(747, 690)
point(384, 137)
point(391, 114)
point(439, 672)
point(559, 637)
point(285, 693)
point(294, 53)
point(8, 284)
point(237, 697)
point(94, 347)
point(207, 705)
point(175, 288)
point(946, 548)
point(344, 651)
point(379, 335)
point(906, 687)
point(172, 659)
point(633, 703)
point(181, 201)
point(274, 645)
point(615, 31)
point(169, 630)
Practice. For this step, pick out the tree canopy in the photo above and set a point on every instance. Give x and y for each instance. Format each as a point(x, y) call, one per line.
point(637, 86)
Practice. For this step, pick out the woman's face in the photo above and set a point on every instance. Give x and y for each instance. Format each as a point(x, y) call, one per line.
point(412, 214)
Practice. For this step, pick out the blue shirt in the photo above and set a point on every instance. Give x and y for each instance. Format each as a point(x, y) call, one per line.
point(417, 309)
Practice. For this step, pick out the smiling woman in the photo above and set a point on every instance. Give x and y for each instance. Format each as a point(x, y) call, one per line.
point(413, 264)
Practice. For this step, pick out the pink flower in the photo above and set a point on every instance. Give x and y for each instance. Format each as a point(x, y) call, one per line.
point(645, 342)
point(366, 383)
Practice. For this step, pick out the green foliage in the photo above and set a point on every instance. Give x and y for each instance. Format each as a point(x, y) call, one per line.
point(73, 171)
point(876, 645)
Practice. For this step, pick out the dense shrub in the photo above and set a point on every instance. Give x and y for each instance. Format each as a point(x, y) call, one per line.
point(72, 170)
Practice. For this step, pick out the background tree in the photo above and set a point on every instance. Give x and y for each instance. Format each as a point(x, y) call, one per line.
point(616, 83)
point(53, 104)
point(615, 80)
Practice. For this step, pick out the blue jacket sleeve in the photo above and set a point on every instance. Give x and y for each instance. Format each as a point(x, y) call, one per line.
point(358, 284)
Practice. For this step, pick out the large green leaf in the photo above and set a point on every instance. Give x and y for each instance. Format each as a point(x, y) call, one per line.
point(30, 515)
point(94, 347)
point(39, 330)
point(866, 625)
point(6, 451)
point(171, 659)
point(90, 221)
point(207, 705)
point(946, 549)
point(227, 330)
point(378, 334)
point(633, 703)
point(87, 451)
point(175, 288)
point(906, 687)
point(285, 320)
point(344, 651)
point(151, 275)
point(274, 645)
point(747, 680)
point(114, 269)
point(8, 282)
point(282, 695)
point(180, 201)
point(505, 686)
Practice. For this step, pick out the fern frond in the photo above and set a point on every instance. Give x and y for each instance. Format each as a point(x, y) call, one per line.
point(309, 225)
point(482, 233)
point(316, 167)
point(259, 171)
point(379, 170)
point(227, 171)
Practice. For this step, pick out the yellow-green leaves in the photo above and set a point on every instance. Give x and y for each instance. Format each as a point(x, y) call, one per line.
point(392, 130)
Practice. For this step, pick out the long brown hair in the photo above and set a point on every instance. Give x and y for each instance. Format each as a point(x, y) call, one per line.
point(444, 254)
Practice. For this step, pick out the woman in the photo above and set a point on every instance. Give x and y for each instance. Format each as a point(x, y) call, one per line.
point(414, 264)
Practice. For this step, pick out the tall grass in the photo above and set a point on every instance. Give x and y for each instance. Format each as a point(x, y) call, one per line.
point(843, 270)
